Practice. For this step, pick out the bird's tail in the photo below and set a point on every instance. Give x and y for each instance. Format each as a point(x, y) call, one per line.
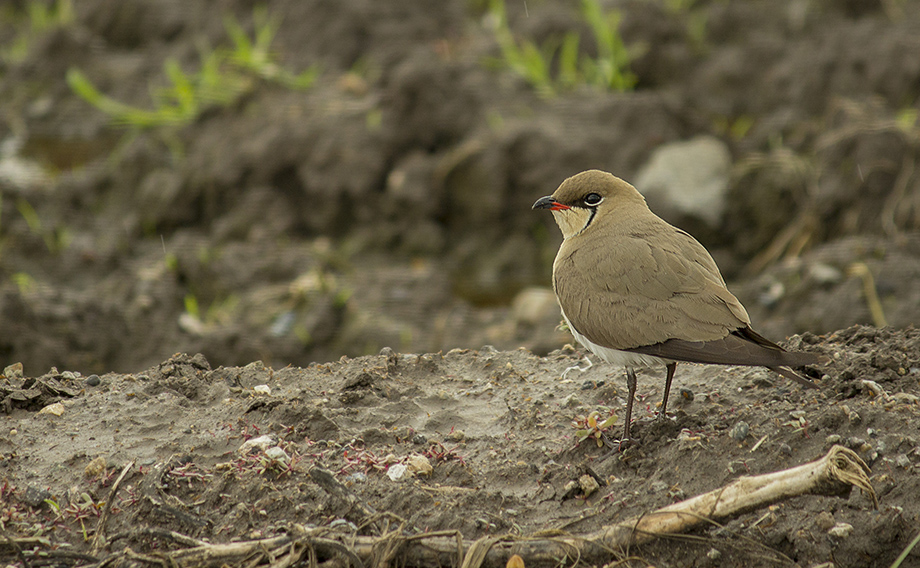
point(790, 374)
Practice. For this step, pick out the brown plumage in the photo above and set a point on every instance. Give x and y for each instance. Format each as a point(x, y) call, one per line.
point(637, 290)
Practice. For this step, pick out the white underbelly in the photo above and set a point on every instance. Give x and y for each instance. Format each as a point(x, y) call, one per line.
point(615, 356)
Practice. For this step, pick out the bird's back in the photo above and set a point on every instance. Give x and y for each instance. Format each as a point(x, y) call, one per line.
point(633, 280)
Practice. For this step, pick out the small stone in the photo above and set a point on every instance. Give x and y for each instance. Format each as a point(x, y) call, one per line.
point(905, 398)
point(832, 439)
point(57, 409)
point(13, 371)
point(825, 520)
point(261, 443)
point(356, 477)
point(262, 390)
point(419, 465)
point(841, 530)
point(855, 443)
point(658, 487)
point(740, 431)
point(824, 274)
point(570, 401)
point(419, 439)
point(277, 453)
point(588, 484)
point(854, 417)
point(785, 448)
point(35, 496)
point(93, 381)
point(13, 431)
point(456, 435)
point(797, 414)
point(873, 387)
point(902, 461)
point(713, 554)
point(95, 468)
point(397, 471)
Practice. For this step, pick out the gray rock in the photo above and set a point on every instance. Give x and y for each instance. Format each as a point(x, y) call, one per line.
point(688, 179)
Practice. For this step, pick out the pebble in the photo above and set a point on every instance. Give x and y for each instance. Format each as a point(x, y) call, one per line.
point(35, 496)
point(902, 461)
point(261, 443)
point(841, 530)
point(95, 468)
point(713, 554)
point(418, 464)
point(456, 435)
point(57, 409)
point(825, 521)
point(905, 398)
point(397, 471)
point(570, 401)
point(740, 431)
point(356, 477)
point(832, 439)
point(262, 389)
point(277, 453)
point(93, 380)
point(13, 371)
point(588, 484)
point(785, 449)
point(855, 443)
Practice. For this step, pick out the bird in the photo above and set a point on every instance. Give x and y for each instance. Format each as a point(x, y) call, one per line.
point(637, 291)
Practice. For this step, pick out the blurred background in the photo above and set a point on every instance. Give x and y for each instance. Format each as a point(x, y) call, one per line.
point(298, 180)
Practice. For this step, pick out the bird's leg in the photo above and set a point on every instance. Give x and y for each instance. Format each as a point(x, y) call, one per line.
point(631, 387)
point(667, 389)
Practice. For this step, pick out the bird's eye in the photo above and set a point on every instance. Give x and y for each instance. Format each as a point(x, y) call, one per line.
point(593, 199)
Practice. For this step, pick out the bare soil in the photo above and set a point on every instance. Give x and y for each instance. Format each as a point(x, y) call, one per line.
point(495, 428)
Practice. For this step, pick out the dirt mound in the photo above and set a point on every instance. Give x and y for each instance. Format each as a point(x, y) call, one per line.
point(484, 432)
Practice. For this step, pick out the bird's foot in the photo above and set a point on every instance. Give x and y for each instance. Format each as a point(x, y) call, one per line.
point(618, 445)
point(587, 366)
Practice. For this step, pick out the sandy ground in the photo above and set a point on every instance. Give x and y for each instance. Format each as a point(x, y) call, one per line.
point(495, 428)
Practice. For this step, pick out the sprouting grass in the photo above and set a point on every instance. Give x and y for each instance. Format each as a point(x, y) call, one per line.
point(255, 54)
point(224, 75)
point(558, 65)
point(37, 17)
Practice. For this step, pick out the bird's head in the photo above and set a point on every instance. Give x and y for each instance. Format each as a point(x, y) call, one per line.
point(585, 196)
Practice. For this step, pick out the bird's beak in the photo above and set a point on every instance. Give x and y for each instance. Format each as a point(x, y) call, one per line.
point(549, 203)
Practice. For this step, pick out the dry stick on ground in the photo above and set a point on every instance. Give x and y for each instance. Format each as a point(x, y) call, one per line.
point(834, 474)
point(99, 537)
